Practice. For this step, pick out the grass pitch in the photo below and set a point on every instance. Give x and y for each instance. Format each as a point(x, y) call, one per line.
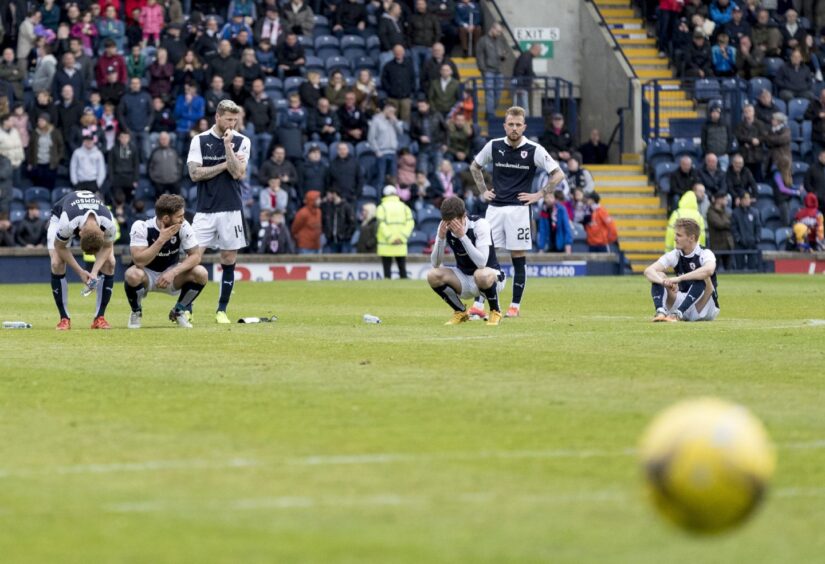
point(319, 438)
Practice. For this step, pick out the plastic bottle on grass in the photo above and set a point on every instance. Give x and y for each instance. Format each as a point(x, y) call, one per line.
point(16, 325)
point(371, 318)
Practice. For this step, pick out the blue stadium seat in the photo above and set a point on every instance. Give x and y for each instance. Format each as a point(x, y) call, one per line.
point(772, 65)
point(764, 191)
point(781, 237)
point(327, 41)
point(333, 148)
point(418, 237)
point(796, 108)
point(664, 169)
point(369, 166)
point(798, 170)
point(353, 41)
point(16, 214)
point(321, 27)
point(37, 194)
point(655, 147)
point(684, 146)
point(17, 194)
point(706, 88)
point(370, 192)
point(686, 127)
point(338, 63)
point(781, 105)
point(275, 94)
point(362, 147)
point(145, 191)
point(354, 53)
point(416, 248)
point(579, 233)
point(373, 45)
point(796, 130)
point(365, 63)
point(767, 240)
point(315, 63)
point(770, 214)
point(292, 83)
point(807, 129)
point(460, 166)
point(428, 212)
point(45, 209)
point(664, 184)
point(281, 104)
point(325, 53)
point(59, 193)
point(759, 84)
point(732, 84)
point(273, 82)
point(321, 146)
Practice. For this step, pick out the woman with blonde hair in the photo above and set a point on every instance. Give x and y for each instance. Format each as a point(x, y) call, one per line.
point(367, 238)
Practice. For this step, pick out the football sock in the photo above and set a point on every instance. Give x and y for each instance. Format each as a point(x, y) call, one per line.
point(60, 293)
point(519, 279)
point(693, 293)
point(491, 294)
point(658, 293)
point(227, 283)
point(479, 303)
point(104, 294)
point(188, 293)
point(133, 295)
point(448, 295)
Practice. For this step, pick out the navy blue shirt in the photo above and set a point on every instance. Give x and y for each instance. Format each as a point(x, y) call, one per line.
point(145, 233)
point(220, 193)
point(514, 168)
point(73, 209)
point(682, 264)
point(478, 231)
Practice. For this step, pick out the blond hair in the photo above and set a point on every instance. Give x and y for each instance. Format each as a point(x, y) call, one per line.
point(689, 226)
point(515, 111)
point(228, 106)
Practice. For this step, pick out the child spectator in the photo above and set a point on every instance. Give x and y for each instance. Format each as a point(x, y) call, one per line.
point(808, 229)
point(554, 232)
point(306, 227)
point(151, 21)
point(601, 230)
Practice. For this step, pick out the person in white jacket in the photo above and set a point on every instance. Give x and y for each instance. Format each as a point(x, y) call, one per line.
point(11, 147)
point(384, 130)
point(87, 169)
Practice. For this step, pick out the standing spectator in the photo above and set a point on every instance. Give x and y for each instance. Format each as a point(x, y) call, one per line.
point(366, 92)
point(688, 208)
point(667, 18)
point(206, 44)
point(398, 80)
point(68, 74)
point(594, 151)
point(395, 223)
point(432, 67)
point(444, 92)
point(11, 73)
point(766, 37)
point(314, 172)
point(136, 63)
point(11, 146)
point(459, 138)
point(310, 90)
point(345, 175)
point(278, 165)
point(352, 120)
point(578, 177)
point(350, 18)
point(306, 227)
point(698, 58)
point(712, 176)
point(322, 124)
point(723, 56)
point(738, 27)
point(295, 115)
point(749, 133)
point(30, 232)
point(214, 95)
point(274, 237)
point(189, 68)
point(110, 59)
point(815, 179)
point(124, 166)
point(748, 60)
point(368, 232)
point(165, 167)
point(793, 34)
point(224, 64)
point(163, 120)
point(273, 198)
point(746, 228)
point(135, 114)
point(390, 33)
point(383, 135)
point(490, 56)
point(250, 69)
point(174, 44)
point(161, 72)
point(523, 75)
point(233, 29)
point(338, 221)
point(112, 90)
point(260, 113)
point(111, 28)
point(151, 21)
point(189, 108)
point(557, 140)
point(44, 70)
point(270, 26)
point(290, 55)
point(20, 121)
point(794, 79)
point(6, 174)
point(719, 230)
point(778, 142)
point(682, 180)
point(600, 227)
point(26, 38)
point(423, 30)
point(50, 15)
point(554, 232)
point(82, 62)
point(336, 90)
point(429, 130)
point(469, 24)
point(299, 18)
point(739, 180)
point(87, 169)
point(721, 12)
point(816, 115)
point(45, 152)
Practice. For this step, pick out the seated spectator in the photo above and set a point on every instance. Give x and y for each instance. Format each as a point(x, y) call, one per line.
point(719, 230)
point(578, 177)
point(778, 141)
point(345, 174)
point(112, 90)
point(339, 223)
point(366, 93)
point(765, 107)
point(815, 179)
point(273, 198)
point(459, 138)
point(721, 12)
point(224, 64)
point(11, 73)
point(265, 56)
point(746, 228)
point(163, 120)
point(310, 90)
point(368, 231)
point(445, 183)
point(45, 152)
point(123, 166)
point(794, 79)
point(136, 63)
point(278, 165)
point(352, 120)
point(738, 26)
point(716, 135)
point(748, 60)
point(384, 130)
point(314, 172)
point(307, 225)
point(712, 176)
point(444, 92)
point(682, 180)
point(188, 69)
point(406, 168)
point(766, 37)
point(749, 133)
point(322, 124)
point(793, 34)
point(739, 179)
point(808, 227)
point(398, 80)
point(30, 232)
point(6, 230)
point(274, 237)
point(688, 208)
point(134, 33)
point(298, 18)
point(237, 91)
point(336, 89)
point(577, 206)
point(723, 56)
point(432, 67)
point(87, 168)
point(214, 95)
point(594, 151)
point(554, 232)
point(350, 18)
point(698, 58)
point(294, 116)
point(235, 27)
point(250, 69)
point(290, 55)
point(557, 140)
point(600, 227)
point(165, 167)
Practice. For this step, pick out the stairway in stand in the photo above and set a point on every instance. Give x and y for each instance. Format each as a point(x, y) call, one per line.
point(640, 50)
point(467, 69)
point(637, 211)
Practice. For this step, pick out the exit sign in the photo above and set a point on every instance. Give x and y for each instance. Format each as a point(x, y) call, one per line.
point(544, 36)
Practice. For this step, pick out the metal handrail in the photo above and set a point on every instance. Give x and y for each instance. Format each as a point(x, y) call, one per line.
point(504, 24)
point(616, 46)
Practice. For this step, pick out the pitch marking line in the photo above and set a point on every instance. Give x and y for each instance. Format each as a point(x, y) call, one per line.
point(337, 460)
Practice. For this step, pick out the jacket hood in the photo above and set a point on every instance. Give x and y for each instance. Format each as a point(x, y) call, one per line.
point(688, 201)
point(811, 201)
point(311, 197)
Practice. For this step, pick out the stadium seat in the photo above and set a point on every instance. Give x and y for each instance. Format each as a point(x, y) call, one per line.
point(764, 191)
point(45, 209)
point(796, 108)
point(757, 85)
point(664, 184)
point(579, 233)
point(292, 83)
point(767, 240)
point(426, 213)
point(794, 205)
point(686, 127)
point(37, 194)
point(418, 236)
point(706, 89)
point(772, 66)
point(273, 82)
point(657, 151)
point(352, 41)
point(796, 130)
point(59, 193)
point(770, 215)
point(339, 63)
point(326, 41)
point(798, 170)
point(275, 94)
point(807, 130)
point(373, 45)
point(315, 63)
point(685, 146)
point(369, 192)
point(362, 147)
point(369, 166)
point(781, 105)
point(321, 27)
point(782, 235)
point(321, 146)
point(365, 62)
point(416, 248)
point(17, 194)
point(664, 169)
point(16, 214)
point(460, 166)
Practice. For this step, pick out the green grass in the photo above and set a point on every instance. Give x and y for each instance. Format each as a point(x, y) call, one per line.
point(319, 438)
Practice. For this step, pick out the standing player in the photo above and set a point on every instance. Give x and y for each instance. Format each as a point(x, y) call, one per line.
point(691, 294)
point(515, 160)
point(155, 248)
point(82, 215)
point(217, 162)
point(477, 269)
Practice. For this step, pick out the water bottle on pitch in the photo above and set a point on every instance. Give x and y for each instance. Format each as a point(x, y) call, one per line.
point(371, 319)
point(16, 325)
point(89, 287)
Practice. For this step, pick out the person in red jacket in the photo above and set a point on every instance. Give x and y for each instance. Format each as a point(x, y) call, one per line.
point(110, 58)
point(601, 229)
point(306, 227)
point(668, 18)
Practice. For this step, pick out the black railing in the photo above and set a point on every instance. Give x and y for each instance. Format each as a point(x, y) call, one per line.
point(616, 47)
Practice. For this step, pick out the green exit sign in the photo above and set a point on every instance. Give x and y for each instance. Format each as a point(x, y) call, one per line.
point(546, 48)
point(544, 36)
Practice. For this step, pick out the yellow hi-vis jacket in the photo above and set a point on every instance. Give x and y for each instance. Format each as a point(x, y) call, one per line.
point(395, 223)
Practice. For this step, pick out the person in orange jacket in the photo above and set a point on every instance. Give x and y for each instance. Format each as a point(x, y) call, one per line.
point(600, 227)
point(306, 227)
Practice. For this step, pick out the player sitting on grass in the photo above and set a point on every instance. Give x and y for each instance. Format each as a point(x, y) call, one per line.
point(691, 294)
point(476, 264)
point(155, 248)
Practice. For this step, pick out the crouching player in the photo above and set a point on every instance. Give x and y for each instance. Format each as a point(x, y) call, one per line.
point(477, 269)
point(691, 294)
point(155, 247)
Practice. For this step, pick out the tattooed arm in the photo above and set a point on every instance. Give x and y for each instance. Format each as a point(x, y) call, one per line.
point(198, 172)
point(478, 177)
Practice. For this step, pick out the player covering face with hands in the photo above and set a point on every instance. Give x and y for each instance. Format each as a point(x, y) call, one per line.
point(477, 270)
